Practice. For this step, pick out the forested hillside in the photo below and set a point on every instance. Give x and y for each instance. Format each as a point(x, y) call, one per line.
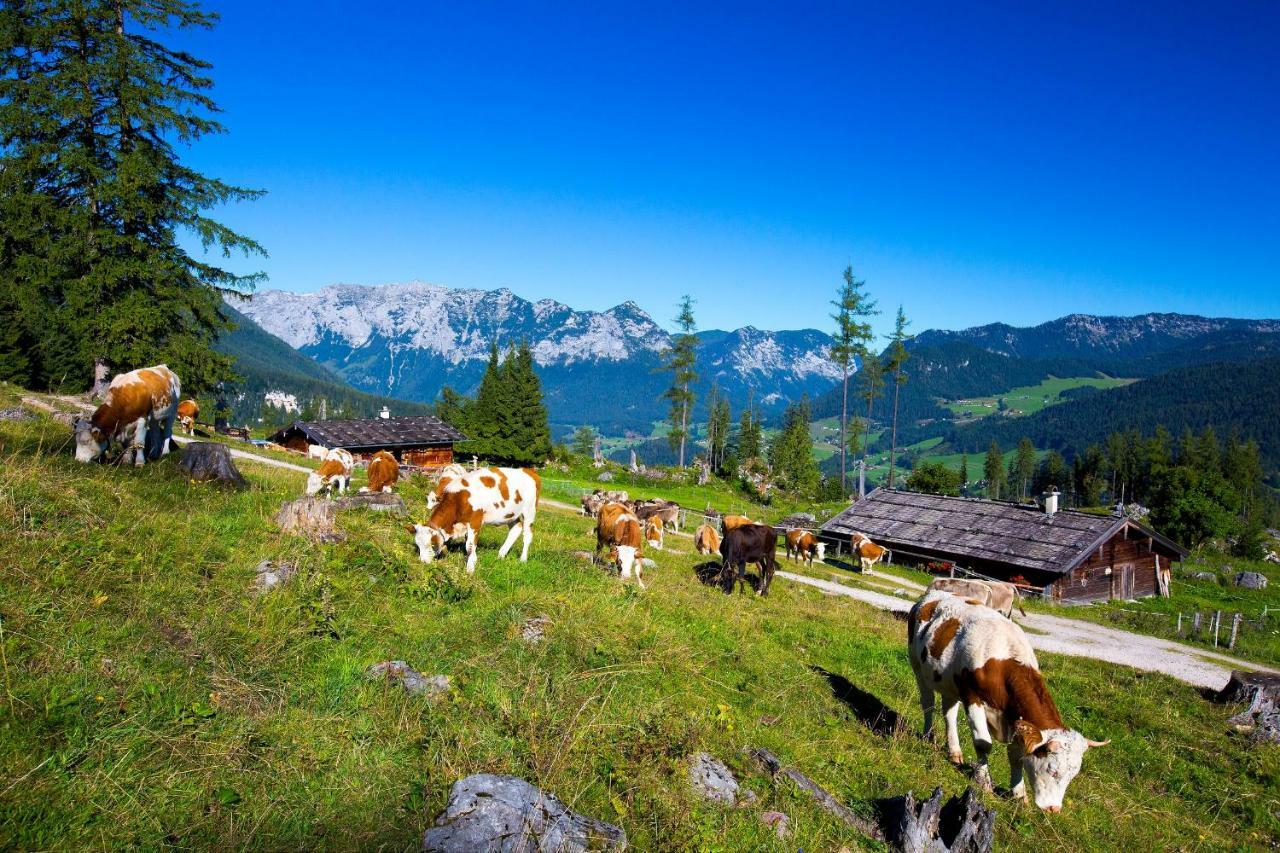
point(1226, 396)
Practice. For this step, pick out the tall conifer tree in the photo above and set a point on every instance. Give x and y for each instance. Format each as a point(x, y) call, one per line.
point(897, 357)
point(94, 199)
point(681, 358)
point(853, 333)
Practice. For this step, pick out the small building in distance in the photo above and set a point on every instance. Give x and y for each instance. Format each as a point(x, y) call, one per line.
point(1072, 556)
point(422, 440)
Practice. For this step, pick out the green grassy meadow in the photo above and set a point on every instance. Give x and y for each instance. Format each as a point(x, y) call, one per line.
point(1029, 399)
point(151, 700)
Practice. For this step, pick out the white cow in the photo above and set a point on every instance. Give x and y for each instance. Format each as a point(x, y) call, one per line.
point(971, 655)
point(485, 496)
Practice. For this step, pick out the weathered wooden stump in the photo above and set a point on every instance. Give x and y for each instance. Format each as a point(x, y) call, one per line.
point(962, 825)
point(210, 462)
point(1261, 693)
point(311, 517)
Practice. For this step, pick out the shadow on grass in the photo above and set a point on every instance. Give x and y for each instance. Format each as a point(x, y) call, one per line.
point(711, 573)
point(867, 707)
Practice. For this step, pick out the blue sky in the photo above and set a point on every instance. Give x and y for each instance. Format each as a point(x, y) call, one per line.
point(974, 162)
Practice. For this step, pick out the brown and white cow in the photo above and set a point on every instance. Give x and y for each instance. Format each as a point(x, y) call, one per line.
point(317, 451)
point(619, 529)
point(344, 456)
point(706, 540)
point(384, 472)
point(137, 412)
point(484, 496)
point(803, 545)
point(729, 522)
point(997, 595)
point(668, 512)
point(653, 528)
point(971, 655)
point(869, 553)
point(188, 411)
point(450, 479)
point(331, 475)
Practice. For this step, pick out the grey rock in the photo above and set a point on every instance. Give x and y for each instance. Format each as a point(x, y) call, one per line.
point(712, 780)
point(605, 477)
point(1205, 576)
point(270, 575)
point(16, 413)
point(778, 822)
point(413, 682)
point(502, 813)
point(535, 629)
point(375, 501)
point(1251, 580)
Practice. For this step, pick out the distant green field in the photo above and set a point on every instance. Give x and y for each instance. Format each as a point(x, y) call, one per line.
point(1029, 399)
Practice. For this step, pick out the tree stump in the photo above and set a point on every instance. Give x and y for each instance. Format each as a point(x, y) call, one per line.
point(311, 517)
point(210, 462)
point(963, 825)
point(1261, 692)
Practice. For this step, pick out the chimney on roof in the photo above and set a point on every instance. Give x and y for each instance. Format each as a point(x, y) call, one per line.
point(1051, 500)
point(385, 414)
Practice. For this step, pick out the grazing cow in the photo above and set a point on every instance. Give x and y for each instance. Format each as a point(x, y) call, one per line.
point(997, 595)
point(317, 451)
point(706, 540)
point(971, 655)
point(188, 411)
point(665, 510)
point(803, 545)
point(484, 496)
point(450, 479)
point(653, 532)
point(729, 522)
point(869, 553)
point(344, 456)
point(137, 412)
point(591, 504)
point(384, 471)
point(749, 543)
point(331, 473)
point(618, 528)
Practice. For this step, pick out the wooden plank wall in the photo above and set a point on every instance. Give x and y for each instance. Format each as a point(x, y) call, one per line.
point(1091, 582)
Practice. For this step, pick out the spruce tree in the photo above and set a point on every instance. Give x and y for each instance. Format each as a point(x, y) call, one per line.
point(483, 417)
point(853, 333)
point(94, 200)
point(871, 387)
point(749, 436)
point(680, 359)
point(1024, 465)
point(992, 469)
point(964, 473)
point(531, 442)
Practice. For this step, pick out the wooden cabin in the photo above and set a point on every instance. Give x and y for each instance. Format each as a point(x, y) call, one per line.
point(1070, 556)
point(423, 440)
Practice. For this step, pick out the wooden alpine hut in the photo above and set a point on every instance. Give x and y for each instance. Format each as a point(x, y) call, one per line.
point(1069, 555)
point(422, 440)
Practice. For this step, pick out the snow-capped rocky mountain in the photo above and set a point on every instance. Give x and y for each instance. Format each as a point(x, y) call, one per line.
point(410, 340)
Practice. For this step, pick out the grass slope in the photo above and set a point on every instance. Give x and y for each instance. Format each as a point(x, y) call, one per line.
point(150, 700)
point(1029, 399)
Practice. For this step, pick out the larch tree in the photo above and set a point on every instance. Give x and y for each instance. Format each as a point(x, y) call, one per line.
point(870, 388)
point(897, 357)
point(95, 202)
point(680, 358)
point(749, 434)
point(719, 422)
point(1024, 465)
point(853, 307)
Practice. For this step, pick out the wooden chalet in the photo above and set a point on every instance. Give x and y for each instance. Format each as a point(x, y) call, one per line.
point(421, 440)
point(1071, 556)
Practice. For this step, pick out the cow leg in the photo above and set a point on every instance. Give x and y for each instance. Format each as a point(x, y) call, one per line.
point(951, 713)
point(526, 530)
point(1017, 788)
point(140, 443)
point(511, 540)
point(471, 550)
point(981, 743)
point(640, 571)
point(926, 701)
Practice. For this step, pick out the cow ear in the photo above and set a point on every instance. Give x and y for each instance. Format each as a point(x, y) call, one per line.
point(1029, 736)
point(412, 528)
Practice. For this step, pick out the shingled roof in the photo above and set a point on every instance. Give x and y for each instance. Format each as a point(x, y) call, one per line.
point(963, 529)
point(376, 433)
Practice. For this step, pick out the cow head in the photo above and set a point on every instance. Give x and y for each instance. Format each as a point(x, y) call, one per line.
point(1050, 760)
point(430, 541)
point(315, 483)
point(625, 557)
point(91, 442)
point(822, 552)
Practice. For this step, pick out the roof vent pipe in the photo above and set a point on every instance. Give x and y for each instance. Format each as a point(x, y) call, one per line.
point(1050, 501)
point(385, 414)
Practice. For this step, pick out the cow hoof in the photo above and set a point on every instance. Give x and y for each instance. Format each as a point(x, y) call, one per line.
point(956, 758)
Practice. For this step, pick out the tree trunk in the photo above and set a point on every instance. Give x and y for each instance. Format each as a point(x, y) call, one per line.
point(893, 446)
point(101, 380)
point(844, 443)
point(684, 426)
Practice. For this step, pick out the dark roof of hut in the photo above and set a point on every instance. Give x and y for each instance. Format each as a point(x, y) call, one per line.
point(376, 433)
point(1023, 536)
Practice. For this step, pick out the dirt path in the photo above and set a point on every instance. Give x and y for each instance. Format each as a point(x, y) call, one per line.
point(1058, 634)
point(253, 457)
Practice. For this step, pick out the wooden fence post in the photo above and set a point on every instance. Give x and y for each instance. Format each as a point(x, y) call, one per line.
point(1195, 624)
point(1217, 623)
point(1179, 631)
point(1235, 629)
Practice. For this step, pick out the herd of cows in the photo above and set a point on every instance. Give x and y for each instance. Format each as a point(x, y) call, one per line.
point(962, 644)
